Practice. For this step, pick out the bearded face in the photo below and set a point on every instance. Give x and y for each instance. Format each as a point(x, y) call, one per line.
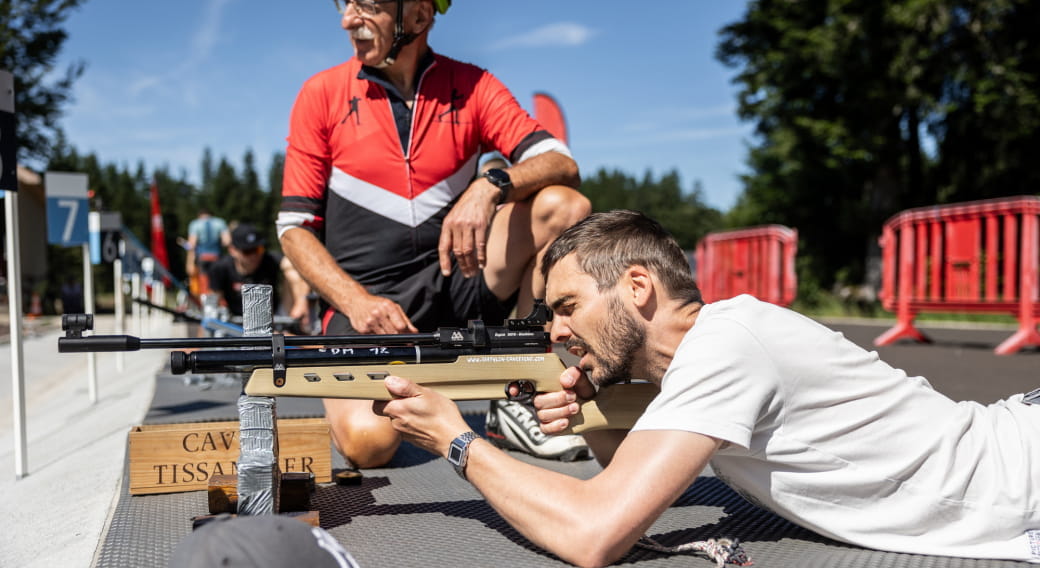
point(610, 361)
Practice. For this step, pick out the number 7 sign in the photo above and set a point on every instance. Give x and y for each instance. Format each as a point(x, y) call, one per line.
point(66, 208)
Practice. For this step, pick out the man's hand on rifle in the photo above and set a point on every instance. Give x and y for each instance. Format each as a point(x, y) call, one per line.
point(556, 408)
point(371, 314)
point(423, 417)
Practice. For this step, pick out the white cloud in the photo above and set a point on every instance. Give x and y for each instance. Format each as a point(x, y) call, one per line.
point(562, 34)
point(144, 83)
point(178, 82)
point(723, 110)
point(206, 35)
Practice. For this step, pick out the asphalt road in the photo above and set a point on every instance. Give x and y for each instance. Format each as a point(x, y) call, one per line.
point(960, 362)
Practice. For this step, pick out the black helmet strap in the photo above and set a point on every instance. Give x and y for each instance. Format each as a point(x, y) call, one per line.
point(401, 39)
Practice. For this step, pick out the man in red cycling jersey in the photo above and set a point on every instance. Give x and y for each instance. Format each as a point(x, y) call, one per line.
point(383, 215)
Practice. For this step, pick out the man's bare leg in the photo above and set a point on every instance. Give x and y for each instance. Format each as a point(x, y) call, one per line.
point(520, 233)
point(364, 438)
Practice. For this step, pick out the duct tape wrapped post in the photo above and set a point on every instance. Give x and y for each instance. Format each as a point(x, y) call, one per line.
point(258, 473)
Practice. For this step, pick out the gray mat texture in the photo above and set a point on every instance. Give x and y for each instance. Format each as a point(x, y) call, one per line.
point(417, 513)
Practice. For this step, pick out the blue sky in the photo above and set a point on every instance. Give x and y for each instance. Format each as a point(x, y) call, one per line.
point(638, 82)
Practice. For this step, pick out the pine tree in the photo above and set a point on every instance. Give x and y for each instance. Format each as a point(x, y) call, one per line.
point(30, 39)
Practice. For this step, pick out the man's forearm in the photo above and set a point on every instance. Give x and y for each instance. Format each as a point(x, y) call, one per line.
point(298, 288)
point(604, 443)
point(594, 521)
point(543, 170)
point(317, 267)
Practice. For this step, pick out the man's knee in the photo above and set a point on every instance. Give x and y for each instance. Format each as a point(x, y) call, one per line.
point(557, 207)
point(364, 438)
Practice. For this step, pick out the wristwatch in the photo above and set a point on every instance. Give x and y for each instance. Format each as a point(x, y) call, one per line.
point(458, 452)
point(501, 180)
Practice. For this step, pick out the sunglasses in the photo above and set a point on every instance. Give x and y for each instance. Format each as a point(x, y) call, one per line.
point(363, 8)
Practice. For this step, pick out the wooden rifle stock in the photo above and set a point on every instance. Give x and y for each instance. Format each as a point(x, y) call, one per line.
point(470, 377)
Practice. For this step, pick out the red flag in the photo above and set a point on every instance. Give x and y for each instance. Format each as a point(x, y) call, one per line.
point(158, 233)
point(547, 111)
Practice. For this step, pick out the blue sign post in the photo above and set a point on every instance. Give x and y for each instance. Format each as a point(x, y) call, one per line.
point(66, 208)
point(67, 225)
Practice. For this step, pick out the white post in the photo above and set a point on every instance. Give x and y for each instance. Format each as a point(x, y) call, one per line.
point(14, 298)
point(117, 268)
point(121, 310)
point(88, 307)
point(14, 278)
point(135, 308)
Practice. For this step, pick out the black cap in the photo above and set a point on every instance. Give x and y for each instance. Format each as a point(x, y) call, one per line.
point(260, 541)
point(246, 237)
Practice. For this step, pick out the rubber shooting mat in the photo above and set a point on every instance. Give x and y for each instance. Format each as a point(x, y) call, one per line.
point(417, 513)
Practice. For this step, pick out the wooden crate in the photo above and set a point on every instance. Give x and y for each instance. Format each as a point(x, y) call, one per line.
point(169, 458)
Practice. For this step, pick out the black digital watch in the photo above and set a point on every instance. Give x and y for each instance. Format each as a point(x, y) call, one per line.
point(500, 178)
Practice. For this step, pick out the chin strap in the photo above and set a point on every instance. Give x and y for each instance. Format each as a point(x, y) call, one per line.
point(401, 39)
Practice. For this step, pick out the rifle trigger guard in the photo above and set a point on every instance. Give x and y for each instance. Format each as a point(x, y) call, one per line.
point(278, 359)
point(524, 391)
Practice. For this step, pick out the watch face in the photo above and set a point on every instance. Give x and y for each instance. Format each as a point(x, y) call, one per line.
point(497, 177)
point(454, 453)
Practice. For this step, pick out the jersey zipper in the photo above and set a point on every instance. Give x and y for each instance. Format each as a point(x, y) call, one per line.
point(408, 158)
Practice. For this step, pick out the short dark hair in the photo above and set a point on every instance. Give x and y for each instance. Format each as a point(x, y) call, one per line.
point(607, 243)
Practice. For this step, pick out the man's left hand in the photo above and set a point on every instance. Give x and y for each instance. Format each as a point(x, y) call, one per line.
point(423, 417)
point(465, 229)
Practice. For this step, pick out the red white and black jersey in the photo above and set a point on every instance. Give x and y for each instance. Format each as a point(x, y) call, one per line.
point(375, 186)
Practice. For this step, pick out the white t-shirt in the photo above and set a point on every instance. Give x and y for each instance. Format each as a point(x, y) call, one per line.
point(825, 434)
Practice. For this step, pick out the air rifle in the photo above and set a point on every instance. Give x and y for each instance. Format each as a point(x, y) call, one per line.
point(477, 362)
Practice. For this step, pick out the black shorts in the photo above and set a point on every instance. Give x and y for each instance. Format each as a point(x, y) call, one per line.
point(430, 300)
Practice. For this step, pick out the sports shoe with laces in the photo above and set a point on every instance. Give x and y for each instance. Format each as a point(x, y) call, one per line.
point(514, 426)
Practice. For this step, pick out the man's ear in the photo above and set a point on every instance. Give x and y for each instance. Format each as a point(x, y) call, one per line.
point(423, 16)
point(639, 285)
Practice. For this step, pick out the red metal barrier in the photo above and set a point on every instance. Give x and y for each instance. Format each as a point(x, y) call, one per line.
point(979, 256)
point(757, 261)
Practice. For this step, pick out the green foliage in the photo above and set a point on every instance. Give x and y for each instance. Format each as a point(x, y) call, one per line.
point(30, 40)
point(683, 213)
point(864, 108)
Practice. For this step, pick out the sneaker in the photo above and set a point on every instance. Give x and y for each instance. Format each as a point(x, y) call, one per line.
point(514, 426)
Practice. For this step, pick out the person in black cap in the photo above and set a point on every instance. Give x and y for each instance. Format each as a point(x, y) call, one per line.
point(249, 262)
point(262, 541)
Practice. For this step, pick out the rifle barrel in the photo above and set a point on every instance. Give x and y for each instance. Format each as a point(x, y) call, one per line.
point(106, 343)
point(244, 360)
point(445, 337)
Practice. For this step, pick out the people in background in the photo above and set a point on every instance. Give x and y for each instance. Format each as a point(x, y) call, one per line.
point(249, 262)
point(207, 238)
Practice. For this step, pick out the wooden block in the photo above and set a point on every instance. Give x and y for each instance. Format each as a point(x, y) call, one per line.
point(312, 518)
point(223, 494)
point(294, 492)
point(349, 477)
point(170, 458)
